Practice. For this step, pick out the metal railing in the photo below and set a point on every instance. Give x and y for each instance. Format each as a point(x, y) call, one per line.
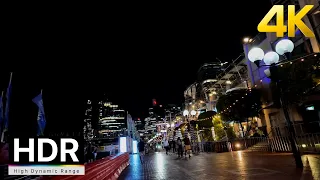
point(299, 128)
point(307, 143)
point(231, 66)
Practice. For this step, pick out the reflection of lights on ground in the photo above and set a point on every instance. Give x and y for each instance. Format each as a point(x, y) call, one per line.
point(239, 155)
point(135, 158)
point(160, 163)
point(241, 165)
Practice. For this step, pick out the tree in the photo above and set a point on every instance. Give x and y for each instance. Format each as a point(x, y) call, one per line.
point(240, 104)
point(207, 135)
point(204, 120)
point(218, 127)
point(297, 80)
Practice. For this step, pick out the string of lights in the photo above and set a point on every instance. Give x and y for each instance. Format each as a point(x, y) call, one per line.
point(249, 89)
point(290, 62)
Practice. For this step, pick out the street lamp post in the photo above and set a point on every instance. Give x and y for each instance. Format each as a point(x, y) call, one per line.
point(186, 114)
point(271, 59)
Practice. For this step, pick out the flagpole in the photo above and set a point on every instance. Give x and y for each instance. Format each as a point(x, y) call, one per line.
point(39, 125)
point(10, 78)
point(1, 115)
point(9, 84)
point(7, 106)
point(41, 130)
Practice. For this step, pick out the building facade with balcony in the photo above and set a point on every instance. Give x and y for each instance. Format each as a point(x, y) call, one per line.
point(272, 116)
point(199, 96)
point(203, 95)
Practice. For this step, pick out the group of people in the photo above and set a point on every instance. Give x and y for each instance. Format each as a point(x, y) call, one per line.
point(181, 146)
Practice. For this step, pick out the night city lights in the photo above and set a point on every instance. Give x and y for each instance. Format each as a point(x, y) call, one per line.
point(222, 90)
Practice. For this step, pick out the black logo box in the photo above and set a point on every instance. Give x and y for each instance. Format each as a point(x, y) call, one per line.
point(24, 156)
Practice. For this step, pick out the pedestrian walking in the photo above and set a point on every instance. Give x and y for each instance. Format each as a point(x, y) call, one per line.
point(187, 146)
point(94, 151)
point(166, 145)
point(173, 146)
point(180, 149)
point(141, 150)
point(89, 153)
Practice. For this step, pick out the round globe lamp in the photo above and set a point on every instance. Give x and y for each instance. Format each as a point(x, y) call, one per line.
point(271, 58)
point(285, 47)
point(193, 112)
point(185, 113)
point(256, 55)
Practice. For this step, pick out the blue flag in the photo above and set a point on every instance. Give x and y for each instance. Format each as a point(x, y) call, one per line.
point(6, 115)
point(41, 116)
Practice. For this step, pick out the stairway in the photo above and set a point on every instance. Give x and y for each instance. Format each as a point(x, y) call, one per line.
point(260, 147)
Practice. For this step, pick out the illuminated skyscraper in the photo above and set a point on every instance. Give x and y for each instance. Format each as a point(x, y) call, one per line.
point(88, 131)
point(112, 120)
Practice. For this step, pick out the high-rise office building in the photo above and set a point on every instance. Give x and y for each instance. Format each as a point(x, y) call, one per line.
point(88, 131)
point(156, 116)
point(112, 120)
point(172, 111)
point(139, 126)
point(150, 122)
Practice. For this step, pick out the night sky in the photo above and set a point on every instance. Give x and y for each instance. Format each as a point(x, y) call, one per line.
point(137, 55)
point(164, 52)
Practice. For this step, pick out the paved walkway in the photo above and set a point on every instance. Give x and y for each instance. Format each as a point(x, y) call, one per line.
point(224, 166)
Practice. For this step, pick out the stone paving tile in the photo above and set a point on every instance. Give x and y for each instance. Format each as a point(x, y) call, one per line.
point(234, 166)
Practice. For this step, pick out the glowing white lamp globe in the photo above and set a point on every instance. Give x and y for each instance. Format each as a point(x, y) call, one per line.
point(284, 46)
point(185, 112)
point(193, 112)
point(271, 58)
point(255, 54)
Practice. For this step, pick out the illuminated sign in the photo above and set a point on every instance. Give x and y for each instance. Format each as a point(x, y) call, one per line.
point(134, 146)
point(123, 144)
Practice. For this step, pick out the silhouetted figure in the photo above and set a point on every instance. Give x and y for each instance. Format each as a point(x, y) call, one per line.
point(179, 144)
point(141, 150)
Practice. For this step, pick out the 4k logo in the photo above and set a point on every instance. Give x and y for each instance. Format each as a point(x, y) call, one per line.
point(294, 20)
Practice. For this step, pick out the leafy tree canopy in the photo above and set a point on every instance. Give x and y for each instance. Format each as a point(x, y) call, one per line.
point(239, 104)
point(298, 79)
